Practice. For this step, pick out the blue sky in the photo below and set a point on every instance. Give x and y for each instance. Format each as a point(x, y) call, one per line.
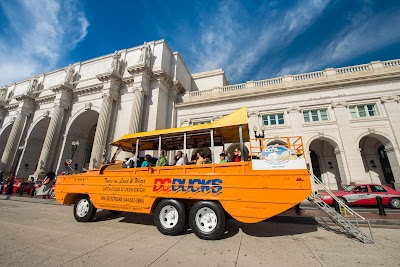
point(250, 40)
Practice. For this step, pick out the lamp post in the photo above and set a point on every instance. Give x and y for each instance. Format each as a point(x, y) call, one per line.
point(68, 162)
point(261, 135)
point(75, 145)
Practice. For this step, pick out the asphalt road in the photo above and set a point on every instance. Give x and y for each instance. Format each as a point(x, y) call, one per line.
point(39, 234)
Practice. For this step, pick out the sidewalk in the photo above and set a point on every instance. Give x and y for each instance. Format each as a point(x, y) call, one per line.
point(306, 216)
point(27, 198)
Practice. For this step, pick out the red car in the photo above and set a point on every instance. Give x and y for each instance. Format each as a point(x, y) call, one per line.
point(365, 194)
point(18, 183)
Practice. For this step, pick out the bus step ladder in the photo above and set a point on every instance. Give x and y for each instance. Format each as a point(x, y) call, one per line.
point(341, 221)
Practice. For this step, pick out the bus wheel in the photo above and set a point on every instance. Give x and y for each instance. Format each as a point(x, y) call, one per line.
point(84, 210)
point(170, 217)
point(207, 220)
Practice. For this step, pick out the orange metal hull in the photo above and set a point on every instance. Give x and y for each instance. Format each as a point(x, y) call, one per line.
point(248, 195)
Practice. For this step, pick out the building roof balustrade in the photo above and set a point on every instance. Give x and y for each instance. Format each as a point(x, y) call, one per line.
point(329, 76)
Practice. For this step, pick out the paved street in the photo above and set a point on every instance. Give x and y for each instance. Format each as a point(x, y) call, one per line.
point(47, 235)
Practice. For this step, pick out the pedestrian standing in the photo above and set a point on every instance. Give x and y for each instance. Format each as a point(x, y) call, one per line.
point(10, 184)
point(47, 185)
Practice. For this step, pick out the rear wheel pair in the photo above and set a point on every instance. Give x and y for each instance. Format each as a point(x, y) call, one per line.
point(206, 219)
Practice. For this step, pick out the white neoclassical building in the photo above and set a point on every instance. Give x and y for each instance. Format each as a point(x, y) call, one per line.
point(349, 117)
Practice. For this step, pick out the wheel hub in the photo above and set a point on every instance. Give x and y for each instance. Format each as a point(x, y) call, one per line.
point(82, 208)
point(169, 216)
point(206, 220)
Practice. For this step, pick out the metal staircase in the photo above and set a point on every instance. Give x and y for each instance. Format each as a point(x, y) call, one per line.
point(343, 221)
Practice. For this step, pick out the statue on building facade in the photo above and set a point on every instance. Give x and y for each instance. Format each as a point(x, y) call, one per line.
point(69, 77)
point(32, 85)
point(115, 64)
point(145, 54)
point(3, 93)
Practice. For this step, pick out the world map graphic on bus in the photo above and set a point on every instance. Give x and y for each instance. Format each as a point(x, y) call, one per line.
point(277, 154)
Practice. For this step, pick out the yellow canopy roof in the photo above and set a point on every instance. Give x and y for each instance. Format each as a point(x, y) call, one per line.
point(226, 130)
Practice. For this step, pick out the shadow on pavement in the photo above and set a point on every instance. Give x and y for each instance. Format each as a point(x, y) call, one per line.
point(276, 226)
point(126, 217)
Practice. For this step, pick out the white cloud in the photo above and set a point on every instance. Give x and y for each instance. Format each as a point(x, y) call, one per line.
point(230, 40)
point(37, 35)
point(366, 32)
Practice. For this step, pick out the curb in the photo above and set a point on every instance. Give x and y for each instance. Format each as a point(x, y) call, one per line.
point(29, 199)
point(318, 219)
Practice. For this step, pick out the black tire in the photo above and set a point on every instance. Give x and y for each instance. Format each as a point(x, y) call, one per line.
point(115, 212)
point(84, 210)
point(214, 225)
point(394, 203)
point(170, 217)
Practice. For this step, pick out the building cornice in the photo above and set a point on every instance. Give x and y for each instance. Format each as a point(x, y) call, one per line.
point(45, 99)
point(87, 90)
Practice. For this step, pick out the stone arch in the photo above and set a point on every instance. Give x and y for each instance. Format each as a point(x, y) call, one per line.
point(276, 142)
point(326, 162)
point(380, 158)
point(386, 140)
point(81, 127)
point(206, 150)
point(77, 114)
point(33, 147)
point(332, 140)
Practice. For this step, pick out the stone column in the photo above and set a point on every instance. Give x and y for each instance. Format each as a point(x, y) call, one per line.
point(394, 156)
point(2, 115)
point(110, 93)
point(171, 108)
point(61, 104)
point(141, 75)
point(11, 144)
point(137, 107)
point(392, 107)
point(296, 120)
point(51, 136)
point(351, 151)
point(101, 131)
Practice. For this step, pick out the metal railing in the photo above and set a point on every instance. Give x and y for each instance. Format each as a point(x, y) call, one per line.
point(344, 221)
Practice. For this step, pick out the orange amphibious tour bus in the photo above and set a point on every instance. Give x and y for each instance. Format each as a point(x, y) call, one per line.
point(273, 179)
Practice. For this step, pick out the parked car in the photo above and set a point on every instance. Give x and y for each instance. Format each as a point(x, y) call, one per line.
point(365, 194)
point(18, 184)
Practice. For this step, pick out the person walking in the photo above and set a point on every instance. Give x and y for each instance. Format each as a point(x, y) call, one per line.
point(47, 185)
point(10, 184)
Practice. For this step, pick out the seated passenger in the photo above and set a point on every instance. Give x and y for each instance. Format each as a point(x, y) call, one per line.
point(227, 156)
point(200, 157)
point(222, 158)
point(193, 160)
point(162, 160)
point(130, 163)
point(146, 162)
point(179, 159)
point(238, 155)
